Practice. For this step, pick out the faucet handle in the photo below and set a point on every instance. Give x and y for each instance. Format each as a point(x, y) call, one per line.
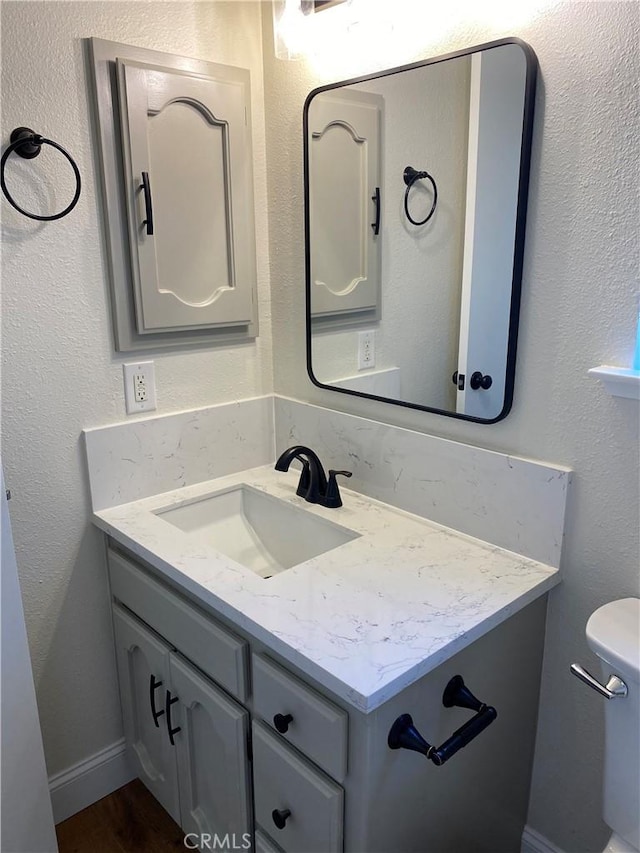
point(332, 495)
point(305, 477)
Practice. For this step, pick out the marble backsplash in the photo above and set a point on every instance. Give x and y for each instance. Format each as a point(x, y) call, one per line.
point(141, 458)
point(509, 501)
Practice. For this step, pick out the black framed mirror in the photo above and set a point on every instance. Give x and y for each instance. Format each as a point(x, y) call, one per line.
point(416, 182)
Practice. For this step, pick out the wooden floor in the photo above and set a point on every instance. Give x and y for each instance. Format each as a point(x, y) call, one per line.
point(128, 821)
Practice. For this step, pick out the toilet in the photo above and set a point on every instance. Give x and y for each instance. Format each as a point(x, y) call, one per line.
point(613, 634)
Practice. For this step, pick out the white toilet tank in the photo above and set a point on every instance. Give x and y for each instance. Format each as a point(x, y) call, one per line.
point(613, 633)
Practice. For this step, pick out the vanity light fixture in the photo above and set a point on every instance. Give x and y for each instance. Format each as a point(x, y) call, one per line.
point(292, 20)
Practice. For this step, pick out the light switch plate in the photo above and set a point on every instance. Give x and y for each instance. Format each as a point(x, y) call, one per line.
point(139, 387)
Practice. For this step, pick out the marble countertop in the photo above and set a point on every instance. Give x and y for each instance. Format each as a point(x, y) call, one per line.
point(366, 619)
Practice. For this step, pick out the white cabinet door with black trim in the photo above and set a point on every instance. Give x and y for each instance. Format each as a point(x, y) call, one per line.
point(189, 196)
point(143, 673)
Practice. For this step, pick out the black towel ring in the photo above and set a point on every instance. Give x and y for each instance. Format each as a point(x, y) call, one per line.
point(27, 143)
point(410, 176)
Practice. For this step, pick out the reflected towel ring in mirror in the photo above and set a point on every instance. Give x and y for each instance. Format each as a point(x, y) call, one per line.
point(27, 144)
point(410, 176)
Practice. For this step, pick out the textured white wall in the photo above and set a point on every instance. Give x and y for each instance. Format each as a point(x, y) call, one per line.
point(580, 275)
point(59, 373)
point(426, 126)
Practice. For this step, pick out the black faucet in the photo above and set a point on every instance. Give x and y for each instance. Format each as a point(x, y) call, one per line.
point(313, 485)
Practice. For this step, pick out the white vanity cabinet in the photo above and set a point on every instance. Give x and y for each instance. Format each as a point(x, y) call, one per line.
point(143, 673)
point(262, 748)
point(187, 740)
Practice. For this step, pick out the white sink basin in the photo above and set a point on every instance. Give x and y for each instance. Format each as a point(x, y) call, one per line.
point(258, 531)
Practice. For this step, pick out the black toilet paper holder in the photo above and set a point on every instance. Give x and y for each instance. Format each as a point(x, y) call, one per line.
point(404, 735)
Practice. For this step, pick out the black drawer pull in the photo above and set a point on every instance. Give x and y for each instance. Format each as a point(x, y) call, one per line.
point(280, 817)
point(153, 684)
point(281, 722)
point(170, 700)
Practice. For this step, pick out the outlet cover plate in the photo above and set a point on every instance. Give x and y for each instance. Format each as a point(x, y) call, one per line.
point(366, 349)
point(137, 375)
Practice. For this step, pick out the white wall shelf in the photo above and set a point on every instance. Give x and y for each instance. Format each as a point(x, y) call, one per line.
point(619, 381)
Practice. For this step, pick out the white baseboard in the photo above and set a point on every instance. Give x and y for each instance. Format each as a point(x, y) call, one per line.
point(89, 781)
point(533, 842)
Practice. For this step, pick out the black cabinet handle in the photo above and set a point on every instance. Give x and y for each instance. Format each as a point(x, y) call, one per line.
point(170, 700)
point(153, 684)
point(458, 380)
point(145, 186)
point(280, 817)
point(281, 722)
point(479, 381)
point(375, 198)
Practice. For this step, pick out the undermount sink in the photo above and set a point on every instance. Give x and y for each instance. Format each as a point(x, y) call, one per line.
point(258, 531)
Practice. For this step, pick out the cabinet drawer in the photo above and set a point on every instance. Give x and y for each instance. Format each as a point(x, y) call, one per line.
point(283, 780)
point(318, 727)
point(215, 650)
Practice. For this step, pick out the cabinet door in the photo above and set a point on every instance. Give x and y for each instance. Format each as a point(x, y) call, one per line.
point(188, 172)
point(143, 673)
point(344, 173)
point(213, 768)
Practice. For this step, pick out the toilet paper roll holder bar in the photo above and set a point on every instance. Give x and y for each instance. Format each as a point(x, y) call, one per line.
point(404, 735)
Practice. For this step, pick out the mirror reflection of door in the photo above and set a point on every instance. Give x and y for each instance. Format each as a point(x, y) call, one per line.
point(493, 174)
point(448, 287)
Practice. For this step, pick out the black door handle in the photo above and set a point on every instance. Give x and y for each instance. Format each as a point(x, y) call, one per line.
point(153, 684)
point(479, 381)
point(458, 380)
point(375, 198)
point(145, 186)
point(170, 700)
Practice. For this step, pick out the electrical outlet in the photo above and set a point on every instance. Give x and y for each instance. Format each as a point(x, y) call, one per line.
point(139, 387)
point(366, 349)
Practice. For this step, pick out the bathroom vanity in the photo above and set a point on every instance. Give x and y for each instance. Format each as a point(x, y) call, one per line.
point(257, 703)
